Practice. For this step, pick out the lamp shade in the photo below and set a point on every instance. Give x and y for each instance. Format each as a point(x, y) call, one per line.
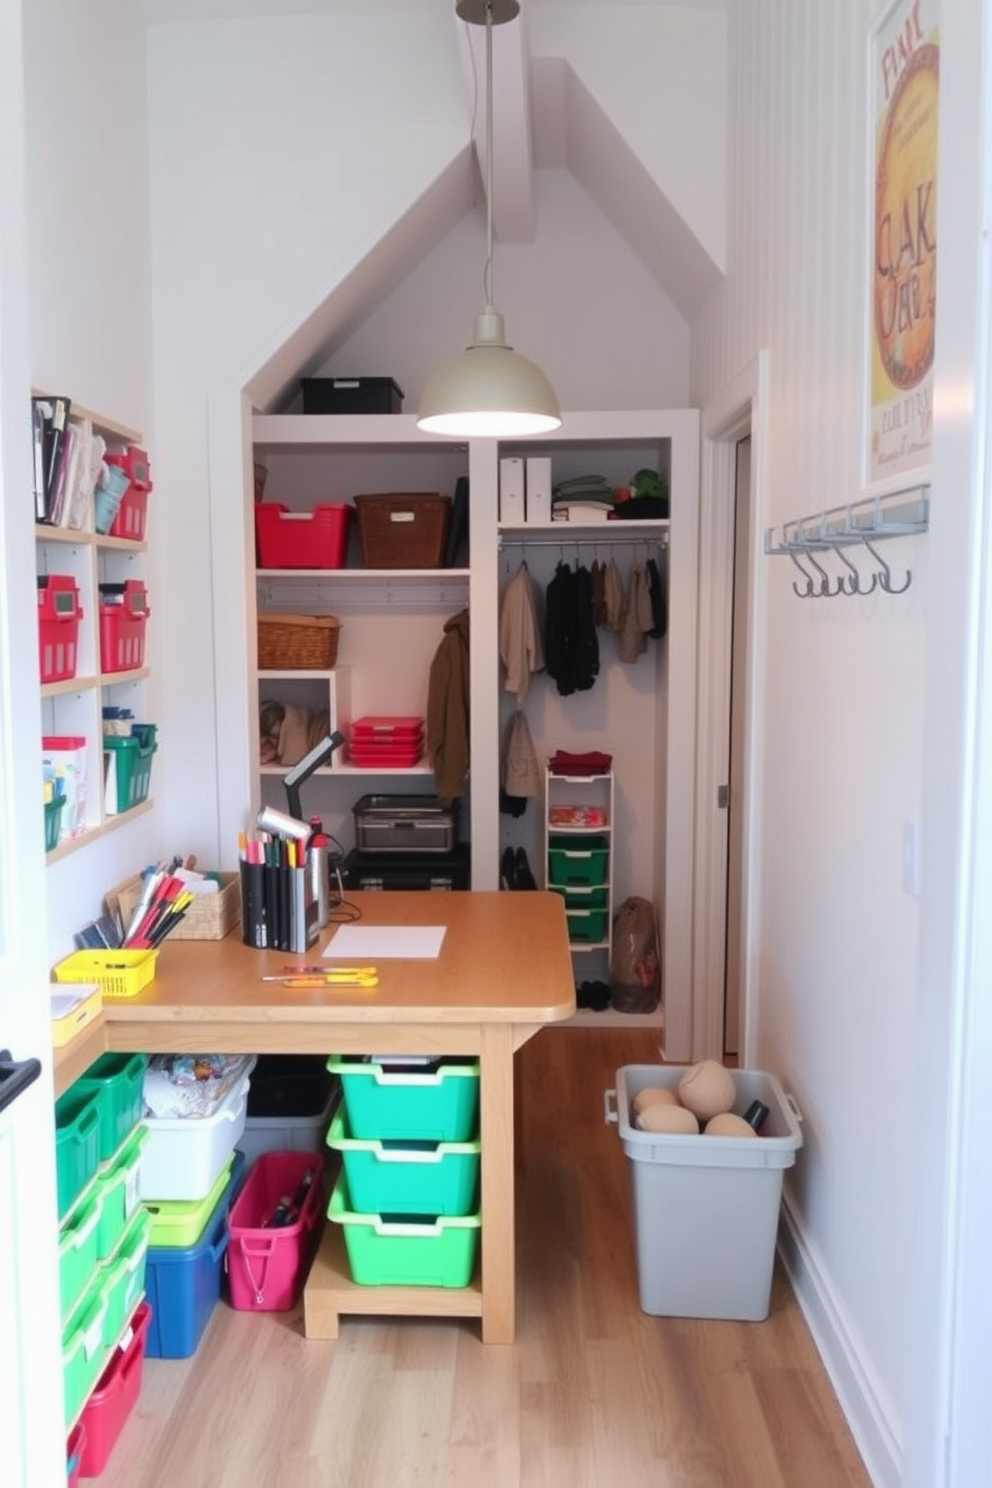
point(488, 389)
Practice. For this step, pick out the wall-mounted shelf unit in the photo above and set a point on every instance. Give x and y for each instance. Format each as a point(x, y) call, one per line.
point(72, 706)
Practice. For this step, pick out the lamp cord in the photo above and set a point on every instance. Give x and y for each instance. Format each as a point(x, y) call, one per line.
point(488, 278)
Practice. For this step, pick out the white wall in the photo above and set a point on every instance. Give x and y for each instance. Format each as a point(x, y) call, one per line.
point(88, 300)
point(844, 712)
point(282, 152)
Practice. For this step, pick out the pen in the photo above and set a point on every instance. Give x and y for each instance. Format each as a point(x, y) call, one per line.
point(322, 973)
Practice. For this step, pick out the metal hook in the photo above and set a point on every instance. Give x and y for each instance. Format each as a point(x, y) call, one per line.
point(853, 584)
point(885, 577)
point(809, 591)
point(824, 591)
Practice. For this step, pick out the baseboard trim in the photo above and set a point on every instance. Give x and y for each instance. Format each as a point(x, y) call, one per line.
point(861, 1401)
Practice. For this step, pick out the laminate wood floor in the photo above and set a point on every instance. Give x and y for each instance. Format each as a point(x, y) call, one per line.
point(594, 1393)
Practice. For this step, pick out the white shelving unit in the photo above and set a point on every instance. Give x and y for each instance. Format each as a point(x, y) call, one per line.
point(392, 621)
point(578, 863)
point(74, 706)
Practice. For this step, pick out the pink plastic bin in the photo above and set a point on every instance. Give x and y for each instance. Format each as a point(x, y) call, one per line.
point(267, 1265)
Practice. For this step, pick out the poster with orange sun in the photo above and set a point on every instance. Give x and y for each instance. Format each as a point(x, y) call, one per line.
point(904, 61)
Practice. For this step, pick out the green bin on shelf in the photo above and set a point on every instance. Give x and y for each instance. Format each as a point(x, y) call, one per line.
point(53, 821)
point(130, 759)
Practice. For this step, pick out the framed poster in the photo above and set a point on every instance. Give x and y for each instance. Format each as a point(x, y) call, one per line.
point(903, 107)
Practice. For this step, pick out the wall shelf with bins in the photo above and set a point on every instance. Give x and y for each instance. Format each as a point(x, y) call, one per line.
point(72, 706)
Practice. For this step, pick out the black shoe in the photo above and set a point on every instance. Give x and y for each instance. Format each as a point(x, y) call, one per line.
point(522, 877)
point(507, 869)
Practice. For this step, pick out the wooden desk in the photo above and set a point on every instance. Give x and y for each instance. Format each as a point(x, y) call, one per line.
point(504, 970)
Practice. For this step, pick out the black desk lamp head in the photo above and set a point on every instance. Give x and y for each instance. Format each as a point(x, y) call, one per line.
point(302, 771)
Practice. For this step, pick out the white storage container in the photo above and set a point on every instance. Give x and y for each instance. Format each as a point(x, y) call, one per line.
point(184, 1155)
point(289, 1133)
point(706, 1208)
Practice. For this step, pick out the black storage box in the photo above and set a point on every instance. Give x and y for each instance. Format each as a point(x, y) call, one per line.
point(289, 1085)
point(408, 870)
point(405, 824)
point(351, 395)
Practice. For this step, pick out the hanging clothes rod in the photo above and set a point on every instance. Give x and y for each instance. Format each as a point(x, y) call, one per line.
point(585, 539)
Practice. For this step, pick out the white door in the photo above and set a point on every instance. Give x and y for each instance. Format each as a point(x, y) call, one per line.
point(32, 1425)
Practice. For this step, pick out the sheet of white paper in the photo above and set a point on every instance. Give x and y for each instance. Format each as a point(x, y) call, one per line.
point(362, 945)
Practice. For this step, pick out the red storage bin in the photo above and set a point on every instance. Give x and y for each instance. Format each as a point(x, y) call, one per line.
point(123, 612)
point(288, 539)
point(267, 1263)
point(114, 1397)
point(133, 510)
point(58, 626)
point(74, 1454)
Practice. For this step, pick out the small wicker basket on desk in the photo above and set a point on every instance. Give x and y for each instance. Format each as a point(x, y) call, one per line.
point(291, 643)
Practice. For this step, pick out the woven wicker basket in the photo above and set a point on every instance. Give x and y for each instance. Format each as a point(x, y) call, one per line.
point(404, 530)
point(297, 642)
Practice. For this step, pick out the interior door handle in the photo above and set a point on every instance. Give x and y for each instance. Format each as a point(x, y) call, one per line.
point(15, 1076)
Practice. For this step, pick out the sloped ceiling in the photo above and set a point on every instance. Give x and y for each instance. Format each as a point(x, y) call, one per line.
point(543, 116)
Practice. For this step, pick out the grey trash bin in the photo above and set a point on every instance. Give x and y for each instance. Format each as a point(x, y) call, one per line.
point(706, 1209)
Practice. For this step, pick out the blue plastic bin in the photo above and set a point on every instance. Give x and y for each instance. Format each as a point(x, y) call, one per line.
point(183, 1285)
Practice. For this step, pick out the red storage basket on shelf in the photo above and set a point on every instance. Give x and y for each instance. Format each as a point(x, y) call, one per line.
point(58, 626)
point(313, 539)
point(123, 613)
point(133, 510)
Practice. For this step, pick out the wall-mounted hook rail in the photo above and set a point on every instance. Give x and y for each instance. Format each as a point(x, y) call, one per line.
point(901, 513)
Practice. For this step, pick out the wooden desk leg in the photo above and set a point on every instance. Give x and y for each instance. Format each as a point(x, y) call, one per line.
point(498, 1237)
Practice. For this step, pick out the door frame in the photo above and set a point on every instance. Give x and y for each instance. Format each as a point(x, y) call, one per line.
point(739, 409)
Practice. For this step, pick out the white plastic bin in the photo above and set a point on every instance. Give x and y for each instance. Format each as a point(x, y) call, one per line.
point(706, 1209)
point(185, 1154)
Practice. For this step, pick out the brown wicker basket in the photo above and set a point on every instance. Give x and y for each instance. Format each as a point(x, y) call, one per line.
point(405, 530)
point(297, 642)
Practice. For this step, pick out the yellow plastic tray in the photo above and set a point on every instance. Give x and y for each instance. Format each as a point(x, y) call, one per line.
point(118, 973)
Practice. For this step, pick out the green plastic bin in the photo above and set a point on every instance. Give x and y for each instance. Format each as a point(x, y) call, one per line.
point(122, 1278)
point(586, 925)
point(118, 1182)
point(77, 1143)
point(133, 756)
point(405, 1250)
point(430, 1105)
point(406, 1176)
point(53, 821)
point(580, 858)
point(78, 1255)
point(178, 1224)
point(83, 1350)
point(118, 1080)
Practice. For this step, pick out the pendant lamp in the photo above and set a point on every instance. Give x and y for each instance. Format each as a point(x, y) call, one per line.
point(488, 389)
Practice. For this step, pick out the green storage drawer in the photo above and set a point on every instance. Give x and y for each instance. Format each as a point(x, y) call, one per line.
point(430, 1105)
point(410, 1250)
point(118, 1080)
point(78, 1236)
point(83, 1350)
point(582, 896)
point(118, 1181)
point(406, 1176)
point(122, 1278)
point(586, 925)
point(579, 858)
point(77, 1144)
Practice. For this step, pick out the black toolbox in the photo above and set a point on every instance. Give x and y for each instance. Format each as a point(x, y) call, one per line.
point(405, 824)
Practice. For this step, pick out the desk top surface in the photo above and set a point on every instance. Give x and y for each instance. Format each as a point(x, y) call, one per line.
point(504, 959)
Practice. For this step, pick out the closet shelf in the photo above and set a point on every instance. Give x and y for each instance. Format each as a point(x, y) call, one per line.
point(902, 513)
